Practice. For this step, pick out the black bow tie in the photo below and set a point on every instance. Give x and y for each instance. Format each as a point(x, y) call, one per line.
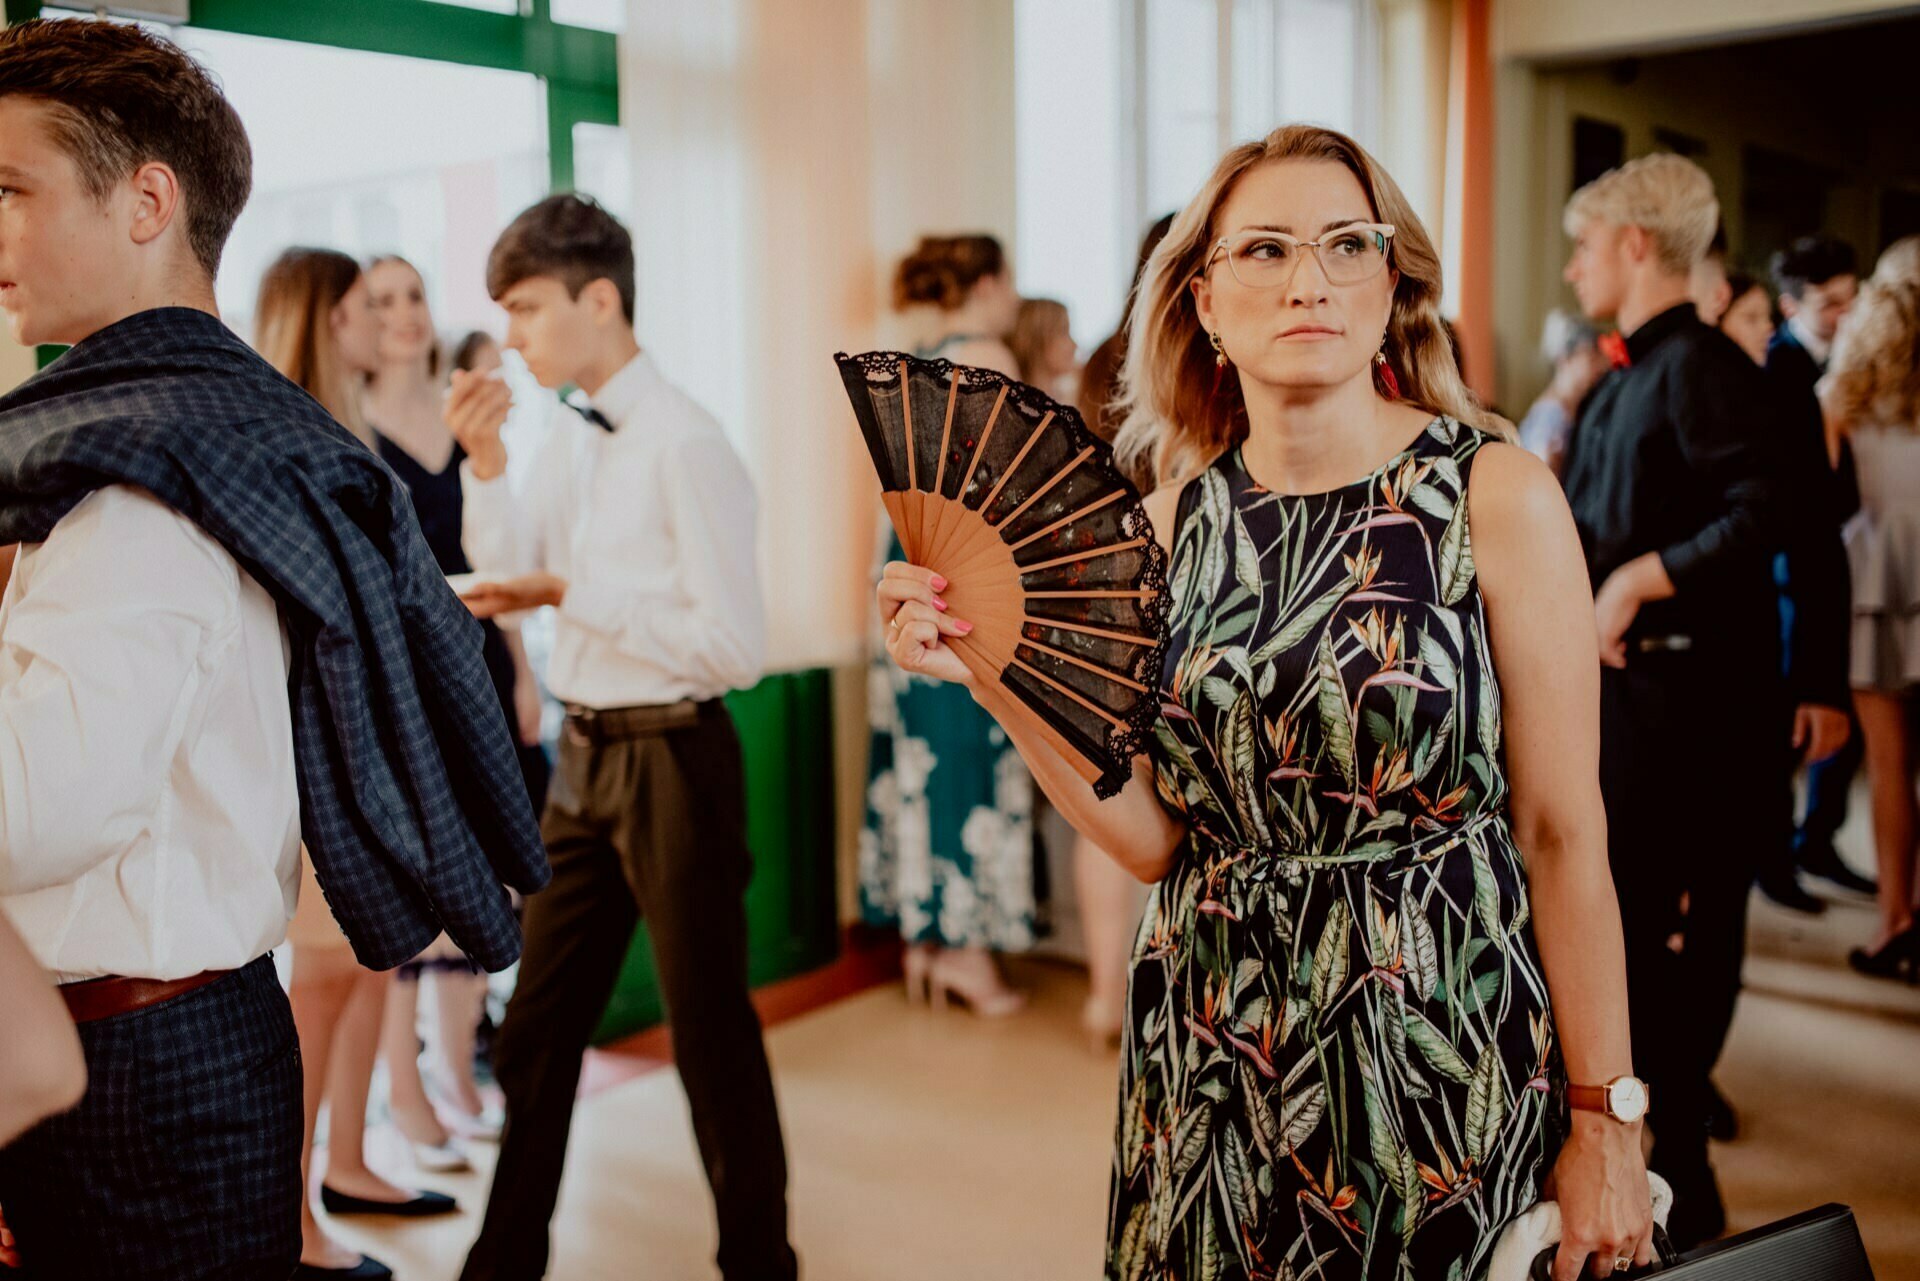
point(591, 414)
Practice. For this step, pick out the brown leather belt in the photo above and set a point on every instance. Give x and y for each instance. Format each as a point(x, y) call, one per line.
point(586, 725)
point(94, 999)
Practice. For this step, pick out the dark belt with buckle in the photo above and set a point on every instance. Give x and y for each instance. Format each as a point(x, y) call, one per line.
point(587, 725)
point(93, 999)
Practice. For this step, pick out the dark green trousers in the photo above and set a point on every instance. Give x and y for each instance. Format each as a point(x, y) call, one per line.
point(649, 822)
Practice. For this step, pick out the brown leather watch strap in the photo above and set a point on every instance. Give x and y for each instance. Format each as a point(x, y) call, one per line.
point(1588, 1098)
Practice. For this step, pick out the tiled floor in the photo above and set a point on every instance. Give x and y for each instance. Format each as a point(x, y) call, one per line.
point(933, 1147)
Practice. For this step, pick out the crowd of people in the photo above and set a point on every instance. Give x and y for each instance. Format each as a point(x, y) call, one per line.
point(257, 715)
point(1451, 835)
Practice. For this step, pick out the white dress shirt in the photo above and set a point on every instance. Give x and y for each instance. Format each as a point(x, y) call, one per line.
point(149, 825)
point(1816, 346)
point(652, 526)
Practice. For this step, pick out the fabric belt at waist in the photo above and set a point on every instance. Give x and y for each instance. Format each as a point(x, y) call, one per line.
point(1255, 862)
point(90, 1000)
point(586, 725)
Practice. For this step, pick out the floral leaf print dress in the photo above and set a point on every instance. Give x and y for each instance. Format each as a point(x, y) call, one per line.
point(1339, 1048)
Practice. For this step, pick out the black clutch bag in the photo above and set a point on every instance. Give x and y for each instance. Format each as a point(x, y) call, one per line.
point(1820, 1245)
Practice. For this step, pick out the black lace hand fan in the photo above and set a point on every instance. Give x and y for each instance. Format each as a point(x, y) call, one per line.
point(1044, 545)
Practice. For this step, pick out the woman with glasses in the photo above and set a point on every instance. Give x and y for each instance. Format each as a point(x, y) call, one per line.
point(1384, 946)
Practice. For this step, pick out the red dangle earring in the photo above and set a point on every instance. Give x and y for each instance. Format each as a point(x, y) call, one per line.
point(1220, 361)
point(1389, 385)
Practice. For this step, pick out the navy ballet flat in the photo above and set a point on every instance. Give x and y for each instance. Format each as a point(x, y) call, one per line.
point(423, 1204)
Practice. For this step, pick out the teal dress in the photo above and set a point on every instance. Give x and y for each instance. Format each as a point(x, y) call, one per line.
point(946, 852)
point(1339, 1059)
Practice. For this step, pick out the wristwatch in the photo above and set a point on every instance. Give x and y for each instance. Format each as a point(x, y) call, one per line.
point(1624, 1098)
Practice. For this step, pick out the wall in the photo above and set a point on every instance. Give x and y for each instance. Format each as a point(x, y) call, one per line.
point(784, 156)
point(1729, 98)
point(1414, 53)
point(1563, 29)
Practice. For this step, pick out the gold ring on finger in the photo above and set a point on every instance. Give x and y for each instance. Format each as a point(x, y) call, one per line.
point(1622, 1263)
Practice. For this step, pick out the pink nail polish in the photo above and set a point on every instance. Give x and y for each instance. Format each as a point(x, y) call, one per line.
point(939, 583)
point(963, 626)
point(939, 604)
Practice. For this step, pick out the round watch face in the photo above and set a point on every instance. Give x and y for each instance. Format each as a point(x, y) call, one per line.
point(1627, 1098)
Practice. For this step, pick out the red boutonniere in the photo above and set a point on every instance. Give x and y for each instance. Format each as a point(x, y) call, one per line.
point(1614, 348)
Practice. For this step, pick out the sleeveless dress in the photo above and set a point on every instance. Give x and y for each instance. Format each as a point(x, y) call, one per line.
point(946, 849)
point(1883, 552)
point(1339, 1052)
point(439, 506)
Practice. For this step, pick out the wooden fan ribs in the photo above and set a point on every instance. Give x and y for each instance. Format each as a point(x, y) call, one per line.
point(1042, 492)
point(1013, 467)
point(986, 434)
point(1071, 693)
point(1081, 683)
point(1066, 520)
point(1084, 629)
point(942, 525)
point(911, 500)
point(1094, 553)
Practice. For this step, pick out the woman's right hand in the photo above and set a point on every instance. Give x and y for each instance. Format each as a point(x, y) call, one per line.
point(916, 620)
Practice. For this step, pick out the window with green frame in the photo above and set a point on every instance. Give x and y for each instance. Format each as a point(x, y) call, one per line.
point(579, 68)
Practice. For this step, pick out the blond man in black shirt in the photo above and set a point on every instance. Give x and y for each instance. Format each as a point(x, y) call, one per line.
point(1676, 476)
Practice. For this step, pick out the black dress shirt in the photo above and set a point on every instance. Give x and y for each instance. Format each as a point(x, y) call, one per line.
point(1811, 572)
point(1681, 454)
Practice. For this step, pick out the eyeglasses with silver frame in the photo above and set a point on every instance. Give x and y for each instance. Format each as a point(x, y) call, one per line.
point(1263, 259)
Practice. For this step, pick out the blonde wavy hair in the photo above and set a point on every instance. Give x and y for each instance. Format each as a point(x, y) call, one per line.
point(1177, 413)
point(1874, 376)
point(1667, 196)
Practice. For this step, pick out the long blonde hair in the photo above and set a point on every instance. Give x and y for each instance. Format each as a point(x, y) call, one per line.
point(293, 329)
point(1874, 376)
point(1178, 413)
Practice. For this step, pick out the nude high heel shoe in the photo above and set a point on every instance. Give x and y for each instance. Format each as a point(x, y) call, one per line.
point(970, 976)
point(916, 964)
point(1103, 1022)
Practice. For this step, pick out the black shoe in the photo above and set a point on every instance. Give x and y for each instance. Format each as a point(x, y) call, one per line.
point(1698, 1215)
point(1722, 1122)
point(1785, 889)
point(1824, 862)
point(421, 1206)
point(1897, 958)
point(365, 1270)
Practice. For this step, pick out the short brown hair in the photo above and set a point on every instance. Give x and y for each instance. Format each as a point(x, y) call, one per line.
point(570, 238)
point(466, 352)
point(941, 270)
point(121, 98)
